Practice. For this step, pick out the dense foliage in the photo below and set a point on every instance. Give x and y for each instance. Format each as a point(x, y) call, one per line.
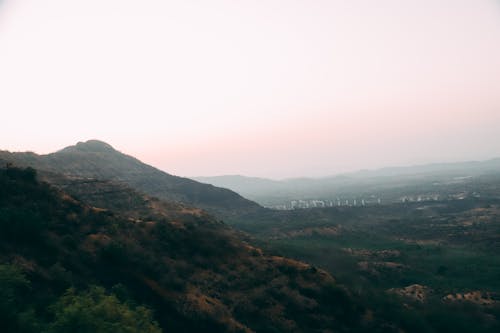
point(446, 249)
point(74, 266)
point(94, 311)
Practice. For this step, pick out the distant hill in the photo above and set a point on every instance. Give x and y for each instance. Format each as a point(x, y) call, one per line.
point(470, 167)
point(98, 160)
point(273, 192)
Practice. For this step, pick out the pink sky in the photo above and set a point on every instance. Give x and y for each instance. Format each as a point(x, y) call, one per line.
point(261, 88)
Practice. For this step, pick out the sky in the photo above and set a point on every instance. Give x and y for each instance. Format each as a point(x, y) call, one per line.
point(261, 88)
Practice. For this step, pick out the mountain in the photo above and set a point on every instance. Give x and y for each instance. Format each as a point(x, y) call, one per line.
point(98, 160)
point(65, 264)
point(471, 167)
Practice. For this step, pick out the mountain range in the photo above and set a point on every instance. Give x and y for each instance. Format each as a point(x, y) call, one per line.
point(270, 192)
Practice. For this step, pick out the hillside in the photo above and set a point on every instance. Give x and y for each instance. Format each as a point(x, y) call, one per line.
point(98, 160)
point(191, 272)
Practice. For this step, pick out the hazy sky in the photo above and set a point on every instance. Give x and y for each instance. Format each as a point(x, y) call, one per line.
point(262, 88)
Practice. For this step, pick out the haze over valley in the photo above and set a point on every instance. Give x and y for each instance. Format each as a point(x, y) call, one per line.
point(432, 182)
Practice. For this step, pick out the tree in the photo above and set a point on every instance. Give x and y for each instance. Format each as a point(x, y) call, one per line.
point(15, 315)
point(95, 311)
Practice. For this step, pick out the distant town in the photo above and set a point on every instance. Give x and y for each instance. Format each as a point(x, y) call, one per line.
point(337, 202)
point(360, 201)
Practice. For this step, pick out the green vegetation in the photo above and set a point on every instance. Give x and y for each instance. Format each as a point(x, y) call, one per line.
point(67, 266)
point(14, 289)
point(445, 268)
point(94, 311)
point(97, 255)
point(448, 248)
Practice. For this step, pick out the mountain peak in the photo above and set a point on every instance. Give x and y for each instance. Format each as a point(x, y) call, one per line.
point(90, 146)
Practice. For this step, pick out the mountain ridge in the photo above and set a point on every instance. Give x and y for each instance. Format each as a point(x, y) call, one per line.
point(443, 165)
point(99, 160)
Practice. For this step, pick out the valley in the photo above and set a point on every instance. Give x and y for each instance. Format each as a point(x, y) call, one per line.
point(412, 260)
point(98, 222)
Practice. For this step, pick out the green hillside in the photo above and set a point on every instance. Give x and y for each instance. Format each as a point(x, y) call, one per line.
point(65, 264)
